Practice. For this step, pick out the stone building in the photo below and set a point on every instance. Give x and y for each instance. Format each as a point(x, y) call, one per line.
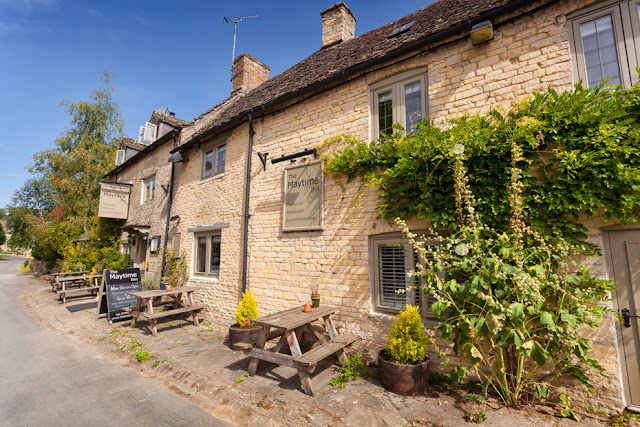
point(235, 219)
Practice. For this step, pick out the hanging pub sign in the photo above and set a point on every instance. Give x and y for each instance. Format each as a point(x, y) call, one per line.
point(303, 197)
point(114, 200)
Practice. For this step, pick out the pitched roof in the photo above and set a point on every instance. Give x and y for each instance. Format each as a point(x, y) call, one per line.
point(133, 144)
point(172, 120)
point(347, 57)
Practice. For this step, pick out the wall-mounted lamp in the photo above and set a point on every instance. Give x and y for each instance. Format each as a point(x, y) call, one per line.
point(481, 32)
point(177, 158)
point(131, 240)
point(196, 146)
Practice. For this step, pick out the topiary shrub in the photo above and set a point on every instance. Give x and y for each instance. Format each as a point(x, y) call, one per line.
point(247, 309)
point(408, 340)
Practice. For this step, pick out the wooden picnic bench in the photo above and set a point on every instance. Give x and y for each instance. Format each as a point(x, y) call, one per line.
point(153, 299)
point(74, 284)
point(294, 325)
point(55, 276)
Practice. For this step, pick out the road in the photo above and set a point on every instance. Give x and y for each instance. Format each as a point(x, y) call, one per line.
point(50, 379)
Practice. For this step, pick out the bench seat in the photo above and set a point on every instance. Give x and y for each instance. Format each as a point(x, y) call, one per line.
point(80, 289)
point(325, 350)
point(165, 313)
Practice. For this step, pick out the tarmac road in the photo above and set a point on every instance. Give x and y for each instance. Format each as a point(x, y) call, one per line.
point(51, 379)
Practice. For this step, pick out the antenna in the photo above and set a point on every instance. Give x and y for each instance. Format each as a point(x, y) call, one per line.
point(235, 27)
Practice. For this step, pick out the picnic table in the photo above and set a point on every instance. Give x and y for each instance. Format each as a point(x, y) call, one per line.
point(294, 325)
point(54, 281)
point(73, 284)
point(154, 298)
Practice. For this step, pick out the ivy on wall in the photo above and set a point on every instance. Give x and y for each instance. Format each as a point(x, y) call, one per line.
point(581, 158)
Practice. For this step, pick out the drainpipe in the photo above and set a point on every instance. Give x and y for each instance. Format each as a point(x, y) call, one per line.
point(246, 206)
point(166, 230)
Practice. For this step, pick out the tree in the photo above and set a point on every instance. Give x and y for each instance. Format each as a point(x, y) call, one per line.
point(3, 237)
point(71, 171)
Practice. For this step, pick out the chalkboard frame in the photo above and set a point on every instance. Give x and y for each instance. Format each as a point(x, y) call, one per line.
point(130, 280)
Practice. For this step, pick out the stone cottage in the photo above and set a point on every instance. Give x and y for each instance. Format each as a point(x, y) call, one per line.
point(244, 201)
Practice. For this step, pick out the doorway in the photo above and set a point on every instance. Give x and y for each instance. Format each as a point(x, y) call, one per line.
point(625, 264)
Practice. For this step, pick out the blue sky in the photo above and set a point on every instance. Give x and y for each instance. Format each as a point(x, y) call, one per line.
point(163, 53)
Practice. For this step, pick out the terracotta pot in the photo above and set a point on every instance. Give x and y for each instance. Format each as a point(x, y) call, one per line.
point(248, 334)
point(406, 380)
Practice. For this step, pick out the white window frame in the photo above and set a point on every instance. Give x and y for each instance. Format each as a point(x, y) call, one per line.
point(626, 27)
point(214, 148)
point(412, 295)
point(396, 85)
point(148, 133)
point(208, 236)
point(148, 193)
point(120, 154)
point(154, 244)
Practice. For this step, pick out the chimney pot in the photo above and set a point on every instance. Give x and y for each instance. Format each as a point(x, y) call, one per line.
point(338, 25)
point(248, 72)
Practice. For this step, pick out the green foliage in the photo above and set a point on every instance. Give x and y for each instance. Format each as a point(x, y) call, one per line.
point(25, 267)
point(242, 378)
point(623, 420)
point(408, 340)
point(101, 249)
point(175, 269)
point(581, 157)
point(142, 355)
point(247, 309)
point(353, 370)
point(507, 186)
point(3, 236)
point(150, 283)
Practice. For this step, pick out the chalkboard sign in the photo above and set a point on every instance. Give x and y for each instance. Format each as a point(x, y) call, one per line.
point(117, 285)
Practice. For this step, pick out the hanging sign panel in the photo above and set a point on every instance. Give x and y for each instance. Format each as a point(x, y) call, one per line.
point(303, 197)
point(114, 201)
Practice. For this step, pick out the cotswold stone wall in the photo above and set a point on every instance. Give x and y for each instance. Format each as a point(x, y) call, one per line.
point(527, 54)
point(152, 213)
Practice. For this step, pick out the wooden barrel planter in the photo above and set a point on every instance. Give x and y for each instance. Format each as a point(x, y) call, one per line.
point(249, 334)
point(406, 380)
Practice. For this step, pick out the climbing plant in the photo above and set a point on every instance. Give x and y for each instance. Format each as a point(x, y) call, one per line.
point(508, 187)
point(580, 159)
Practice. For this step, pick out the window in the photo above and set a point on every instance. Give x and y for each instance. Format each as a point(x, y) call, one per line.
point(120, 157)
point(149, 189)
point(154, 244)
point(213, 160)
point(604, 43)
point(400, 99)
point(393, 259)
point(207, 251)
point(148, 132)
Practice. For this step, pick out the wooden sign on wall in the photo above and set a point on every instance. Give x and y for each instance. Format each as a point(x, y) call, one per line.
point(114, 200)
point(303, 197)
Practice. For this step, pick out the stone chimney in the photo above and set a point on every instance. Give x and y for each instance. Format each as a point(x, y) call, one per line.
point(248, 72)
point(338, 25)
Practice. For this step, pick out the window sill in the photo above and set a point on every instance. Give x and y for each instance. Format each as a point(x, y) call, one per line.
point(206, 278)
point(219, 175)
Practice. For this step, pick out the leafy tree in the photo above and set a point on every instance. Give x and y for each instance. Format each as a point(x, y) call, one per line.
point(3, 236)
point(71, 170)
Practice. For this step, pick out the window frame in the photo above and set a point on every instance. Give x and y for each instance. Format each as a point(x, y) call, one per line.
point(142, 135)
point(396, 84)
point(146, 197)
point(154, 244)
point(626, 29)
point(207, 255)
point(375, 242)
point(214, 166)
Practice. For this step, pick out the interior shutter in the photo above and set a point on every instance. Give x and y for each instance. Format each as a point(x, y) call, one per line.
point(392, 275)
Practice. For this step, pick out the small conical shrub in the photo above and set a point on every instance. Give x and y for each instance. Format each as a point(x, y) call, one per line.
point(408, 341)
point(247, 309)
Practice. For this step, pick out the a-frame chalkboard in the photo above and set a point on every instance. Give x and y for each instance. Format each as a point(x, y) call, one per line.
point(114, 292)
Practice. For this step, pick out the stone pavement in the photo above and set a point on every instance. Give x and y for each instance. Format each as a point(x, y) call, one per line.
point(197, 363)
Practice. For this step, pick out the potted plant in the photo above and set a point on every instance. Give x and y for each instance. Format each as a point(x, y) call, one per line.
point(164, 281)
point(404, 363)
point(243, 330)
point(315, 295)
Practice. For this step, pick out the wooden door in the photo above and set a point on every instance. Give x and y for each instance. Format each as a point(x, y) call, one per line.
point(625, 255)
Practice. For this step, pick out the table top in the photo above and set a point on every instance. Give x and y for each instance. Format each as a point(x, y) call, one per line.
point(159, 292)
point(74, 278)
point(66, 273)
point(293, 317)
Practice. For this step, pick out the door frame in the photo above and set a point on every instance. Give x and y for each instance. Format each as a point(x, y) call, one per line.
point(608, 257)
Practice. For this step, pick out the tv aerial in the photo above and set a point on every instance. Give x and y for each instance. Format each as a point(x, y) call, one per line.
point(235, 27)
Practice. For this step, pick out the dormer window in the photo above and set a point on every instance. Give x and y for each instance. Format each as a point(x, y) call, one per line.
point(148, 133)
point(120, 157)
